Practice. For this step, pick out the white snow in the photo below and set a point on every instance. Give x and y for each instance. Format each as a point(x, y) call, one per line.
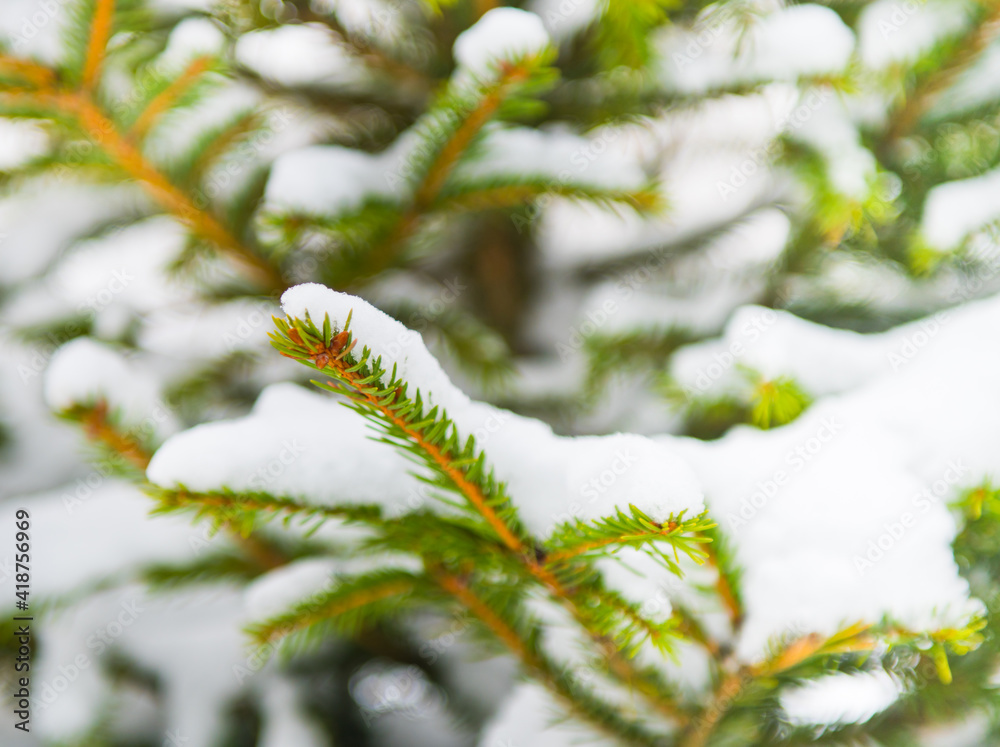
point(841, 515)
point(191, 38)
point(564, 18)
point(108, 280)
point(793, 42)
point(294, 443)
point(600, 159)
point(84, 372)
point(955, 209)
point(325, 179)
point(840, 698)
point(32, 240)
point(776, 343)
point(303, 54)
point(286, 721)
point(191, 639)
point(281, 589)
point(19, 142)
point(501, 34)
point(96, 529)
point(900, 31)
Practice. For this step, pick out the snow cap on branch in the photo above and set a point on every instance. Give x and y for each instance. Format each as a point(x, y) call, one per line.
point(552, 479)
point(84, 372)
point(501, 34)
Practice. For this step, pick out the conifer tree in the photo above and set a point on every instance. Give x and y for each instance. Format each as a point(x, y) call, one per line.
point(612, 372)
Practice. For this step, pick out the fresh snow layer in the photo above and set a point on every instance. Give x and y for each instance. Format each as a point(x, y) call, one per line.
point(97, 529)
point(330, 179)
point(842, 515)
point(191, 639)
point(954, 210)
point(293, 443)
point(787, 44)
point(599, 160)
point(840, 698)
point(191, 38)
point(84, 372)
point(564, 19)
point(501, 34)
point(298, 55)
point(899, 31)
point(281, 589)
point(107, 281)
point(325, 179)
point(307, 444)
point(776, 343)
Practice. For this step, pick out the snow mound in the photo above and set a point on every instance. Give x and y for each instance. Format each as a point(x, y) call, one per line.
point(304, 444)
point(501, 34)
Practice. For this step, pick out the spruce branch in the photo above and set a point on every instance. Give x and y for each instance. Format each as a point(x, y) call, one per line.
point(742, 682)
point(100, 33)
point(502, 193)
point(350, 606)
point(578, 701)
point(38, 76)
point(80, 107)
point(168, 97)
point(721, 557)
point(433, 440)
point(492, 98)
point(247, 509)
point(100, 427)
point(429, 435)
point(202, 223)
point(965, 51)
point(471, 115)
point(633, 529)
